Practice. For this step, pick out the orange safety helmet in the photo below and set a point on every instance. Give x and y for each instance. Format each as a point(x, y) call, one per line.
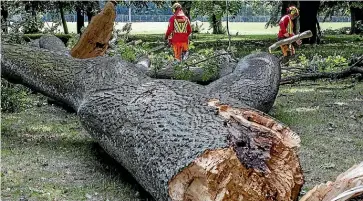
point(293, 11)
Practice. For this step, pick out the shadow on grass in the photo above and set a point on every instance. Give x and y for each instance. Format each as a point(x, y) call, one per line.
point(111, 167)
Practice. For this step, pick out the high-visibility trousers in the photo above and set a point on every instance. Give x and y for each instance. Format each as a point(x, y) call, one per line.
point(287, 48)
point(179, 48)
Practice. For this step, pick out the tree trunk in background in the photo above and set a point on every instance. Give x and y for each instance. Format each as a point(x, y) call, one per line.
point(4, 17)
point(80, 19)
point(90, 15)
point(216, 24)
point(308, 19)
point(356, 14)
point(64, 22)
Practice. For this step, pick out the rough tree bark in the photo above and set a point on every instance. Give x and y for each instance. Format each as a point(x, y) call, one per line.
point(80, 18)
point(94, 40)
point(4, 17)
point(174, 136)
point(64, 22)
point(356, 14)
point(308, 19)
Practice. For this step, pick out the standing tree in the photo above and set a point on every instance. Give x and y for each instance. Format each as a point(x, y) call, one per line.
point(215, 10)
point(356, 13)
point(64, 22)
point(4, 17)
point(308, 19)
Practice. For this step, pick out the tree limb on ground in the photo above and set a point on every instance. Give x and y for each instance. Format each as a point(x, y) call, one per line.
point(177, 138)
point(353, 69)
point(305, 34)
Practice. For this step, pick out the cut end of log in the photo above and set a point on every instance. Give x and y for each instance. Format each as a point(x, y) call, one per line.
point(262, 166)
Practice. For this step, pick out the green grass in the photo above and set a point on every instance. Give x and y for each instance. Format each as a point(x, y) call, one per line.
point(328, 118)
point(46, 155)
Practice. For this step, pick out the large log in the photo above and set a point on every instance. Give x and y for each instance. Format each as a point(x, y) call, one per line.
point(94, 40)
point(305, 34)
point(174, 136)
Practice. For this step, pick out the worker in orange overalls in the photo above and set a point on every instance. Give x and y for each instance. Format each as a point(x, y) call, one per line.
point(178, 32)
point(287, 30)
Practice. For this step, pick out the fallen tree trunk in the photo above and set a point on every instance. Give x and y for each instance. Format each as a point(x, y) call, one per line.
point(173, 136)
point(305, 34)
point(94, 40)
point(348, 185)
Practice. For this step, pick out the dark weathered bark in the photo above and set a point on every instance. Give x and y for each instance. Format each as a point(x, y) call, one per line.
point(4, 17)
point(80, 19)
point(64, 22)
point(308, 19)
point(356, 15)
point(158, 129)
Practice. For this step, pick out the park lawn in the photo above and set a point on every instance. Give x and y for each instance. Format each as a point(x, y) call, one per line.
point(243, 28)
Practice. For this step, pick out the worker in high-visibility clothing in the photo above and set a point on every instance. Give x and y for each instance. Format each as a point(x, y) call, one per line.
point(287, 30)
point(178, 32)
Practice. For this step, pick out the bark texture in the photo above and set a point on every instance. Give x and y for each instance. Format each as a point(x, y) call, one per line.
point(157, 128)
point(94, 40)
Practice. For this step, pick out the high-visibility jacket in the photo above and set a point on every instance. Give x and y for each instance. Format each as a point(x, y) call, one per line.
point(286, 26)
point(179, 28)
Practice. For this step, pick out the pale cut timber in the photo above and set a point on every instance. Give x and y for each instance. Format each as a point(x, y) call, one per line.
point(94, 40)
point(347, 185)
point(305, 34)
point(220, 174)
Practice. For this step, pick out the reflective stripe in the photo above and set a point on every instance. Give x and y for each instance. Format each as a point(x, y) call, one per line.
point(290, 27)
point(180, 27)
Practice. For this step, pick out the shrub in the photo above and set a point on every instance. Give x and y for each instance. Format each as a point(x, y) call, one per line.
point(13, 97)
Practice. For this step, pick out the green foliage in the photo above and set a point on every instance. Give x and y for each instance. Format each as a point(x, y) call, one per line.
point(130, 53)
point(13, 97)
point(344, 30)
point(72, 40)
point(32, 24)
point(323, 64)
point(215, 10)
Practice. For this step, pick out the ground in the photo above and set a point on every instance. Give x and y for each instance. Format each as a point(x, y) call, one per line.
point(46, 154)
